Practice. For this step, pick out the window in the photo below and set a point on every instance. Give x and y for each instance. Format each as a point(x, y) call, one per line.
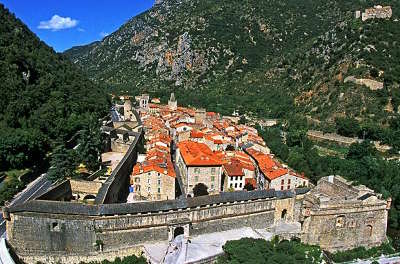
point(282, 181)
point(241, 178)
point(231, 185)
point(288, 181)
point(137, 188)
point(236, 178)
point(149, 173)
point(148, 189)
point(196, 178)
point(148, 180)
point(212, 170)
point(212, 186)
point(159, 182)
point(235, 185)
point(137, 180)
point(159, 174)
point(55, 227)
point(196, 170)
point(159, 190)
point(240, 185)
point(212, 178)
point(340, 221)
point(368, 231)
point(282, 188)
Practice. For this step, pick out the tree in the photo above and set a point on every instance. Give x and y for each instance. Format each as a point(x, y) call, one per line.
point(200, 189)
point(62, 164)
point(347, 127)
point(250, 250)
point(242, 120)
point(90, 145)
point(359, 150)
point(249, 187)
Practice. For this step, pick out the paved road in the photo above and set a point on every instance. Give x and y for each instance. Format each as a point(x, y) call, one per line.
point(32, 190)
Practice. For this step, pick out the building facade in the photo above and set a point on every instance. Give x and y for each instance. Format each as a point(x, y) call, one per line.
point(153, 182)
point(198, 164)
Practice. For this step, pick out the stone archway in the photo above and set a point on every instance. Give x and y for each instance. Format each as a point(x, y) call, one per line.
point(89, 197)
point(284, 215)
point(175, 230)
point(179, 231)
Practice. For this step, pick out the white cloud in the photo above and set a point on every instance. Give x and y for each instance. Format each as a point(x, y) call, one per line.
point(104, 34)
point(81, 30)
point(58, 23)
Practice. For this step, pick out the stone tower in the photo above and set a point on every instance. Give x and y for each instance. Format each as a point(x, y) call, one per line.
point(172, 103)
point(200, 116)
point(144, 101)
point(127, 108)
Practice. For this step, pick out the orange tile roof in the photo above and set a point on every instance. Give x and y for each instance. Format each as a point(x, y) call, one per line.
point(234, 169)
point(165, 168)
point(196, 134)
point(198, 154)
point(273, 174)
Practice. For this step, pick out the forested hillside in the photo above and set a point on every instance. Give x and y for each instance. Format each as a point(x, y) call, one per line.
point(44, 98)
point(268, 57)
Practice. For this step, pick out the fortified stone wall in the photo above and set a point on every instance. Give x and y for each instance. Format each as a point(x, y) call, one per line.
point(341, 229)
point(339, 216)
point(85, 187)
point(71, 234)
point(115, 189)
point(119, 146)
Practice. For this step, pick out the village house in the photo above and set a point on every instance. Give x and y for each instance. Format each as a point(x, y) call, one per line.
point(273, 175)
point(199, 164)
point(238, 170)
point(153, 180)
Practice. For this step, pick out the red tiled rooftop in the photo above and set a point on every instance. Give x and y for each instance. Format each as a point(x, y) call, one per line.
point(198, 154)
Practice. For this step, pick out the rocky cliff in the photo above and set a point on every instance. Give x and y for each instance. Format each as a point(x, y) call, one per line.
point(267, 57)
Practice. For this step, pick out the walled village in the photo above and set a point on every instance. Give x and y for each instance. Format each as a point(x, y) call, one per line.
point(178, 183)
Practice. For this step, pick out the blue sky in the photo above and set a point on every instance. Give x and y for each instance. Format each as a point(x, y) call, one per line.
point(63, 24)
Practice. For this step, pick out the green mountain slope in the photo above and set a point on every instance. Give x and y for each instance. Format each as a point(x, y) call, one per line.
point(44, 98)
point(269, 57)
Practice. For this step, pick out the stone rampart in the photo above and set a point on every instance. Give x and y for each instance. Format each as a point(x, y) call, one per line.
point(71, 228)
point(85, 187)
point(115, 189)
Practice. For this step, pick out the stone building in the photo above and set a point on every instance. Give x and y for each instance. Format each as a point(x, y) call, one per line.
point(172, 102)
point(377, 11)
point(238, 169)
point(128, 114)
point(199, 164)
point(143, 101)
point(273, 175)
point(339, 216)
point(236, 173)
point(200, 116)
point(153, 181)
